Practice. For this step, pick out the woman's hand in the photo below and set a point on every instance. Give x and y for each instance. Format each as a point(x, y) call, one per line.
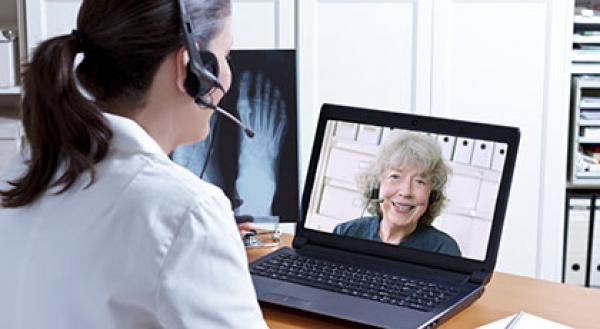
point(244, 228)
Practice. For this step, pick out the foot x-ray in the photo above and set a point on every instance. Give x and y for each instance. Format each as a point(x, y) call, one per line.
point(260, 174)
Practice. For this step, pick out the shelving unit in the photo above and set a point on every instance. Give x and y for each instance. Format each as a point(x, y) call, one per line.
point(585, 101)
point(586, 40)
point(585, 129)
point(12, 17)
point(584, 151)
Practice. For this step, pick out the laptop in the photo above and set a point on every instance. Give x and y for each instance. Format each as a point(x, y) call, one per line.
point(401, 219)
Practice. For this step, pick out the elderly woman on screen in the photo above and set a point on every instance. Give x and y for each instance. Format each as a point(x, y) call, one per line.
point(404, 191)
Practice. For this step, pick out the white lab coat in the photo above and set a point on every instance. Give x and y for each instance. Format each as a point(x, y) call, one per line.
point(149, 245)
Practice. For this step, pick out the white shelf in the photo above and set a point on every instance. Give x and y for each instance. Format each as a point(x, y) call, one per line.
point(584, 183)
point(586, 19)
point(588, 140)
point(591, 107)
point(10, 91)
point(588, 174)
point(593, 123)
point(588, 81)
point(592, 39)
point(587, 56)
point(585, 68)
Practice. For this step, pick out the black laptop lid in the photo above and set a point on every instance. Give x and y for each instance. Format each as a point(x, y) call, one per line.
point(420, 189)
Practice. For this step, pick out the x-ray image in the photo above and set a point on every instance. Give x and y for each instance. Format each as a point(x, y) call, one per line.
point(259, 175)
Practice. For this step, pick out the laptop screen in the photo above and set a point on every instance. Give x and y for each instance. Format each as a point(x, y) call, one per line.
point(411, 188)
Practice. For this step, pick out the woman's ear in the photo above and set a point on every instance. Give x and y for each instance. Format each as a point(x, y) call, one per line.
point(181, 62)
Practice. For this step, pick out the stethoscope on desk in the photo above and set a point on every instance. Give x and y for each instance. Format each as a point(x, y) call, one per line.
point(252, 239)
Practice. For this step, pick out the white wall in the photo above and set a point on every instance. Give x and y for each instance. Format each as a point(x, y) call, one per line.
point(496, 61)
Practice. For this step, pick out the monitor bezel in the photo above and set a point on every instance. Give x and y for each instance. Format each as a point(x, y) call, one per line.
point(467, 129)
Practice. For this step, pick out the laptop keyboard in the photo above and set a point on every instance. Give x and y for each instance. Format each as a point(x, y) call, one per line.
point(355, 281)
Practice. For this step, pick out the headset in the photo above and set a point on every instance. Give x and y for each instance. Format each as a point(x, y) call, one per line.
point(374, 193)
point(372, 197)
point(202, 70)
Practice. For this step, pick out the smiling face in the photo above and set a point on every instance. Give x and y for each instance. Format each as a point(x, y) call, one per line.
point(405, 192)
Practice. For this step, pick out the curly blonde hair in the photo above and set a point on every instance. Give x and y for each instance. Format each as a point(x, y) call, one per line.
point(412, 149)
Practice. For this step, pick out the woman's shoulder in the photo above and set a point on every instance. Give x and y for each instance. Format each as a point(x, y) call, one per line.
point(442, 240)
point(435, 234)
point(433, 231)
point(162, 197)
point(164, 183)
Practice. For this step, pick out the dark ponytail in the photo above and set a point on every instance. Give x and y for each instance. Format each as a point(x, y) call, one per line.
point(60, 124)
point(124, 43)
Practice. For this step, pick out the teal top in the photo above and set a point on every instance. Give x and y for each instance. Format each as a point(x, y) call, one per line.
point(425, 237)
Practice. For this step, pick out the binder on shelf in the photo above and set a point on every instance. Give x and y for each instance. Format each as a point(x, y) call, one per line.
point(594, 267)
point(368, 134)
point(346, 130)
point(482, 153)
point(463, 150)
point(446, 145)
point(499, 156)
point(576, 249)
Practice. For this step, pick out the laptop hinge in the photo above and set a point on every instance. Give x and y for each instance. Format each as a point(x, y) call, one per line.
point(299, 242)
point(479, 277)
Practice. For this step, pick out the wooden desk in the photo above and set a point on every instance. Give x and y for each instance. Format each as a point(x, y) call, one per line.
point(506, 294)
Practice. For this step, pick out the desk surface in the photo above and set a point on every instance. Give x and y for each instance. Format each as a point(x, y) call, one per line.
point(506, 294)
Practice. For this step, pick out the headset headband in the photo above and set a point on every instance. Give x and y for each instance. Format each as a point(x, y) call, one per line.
point(196, 64)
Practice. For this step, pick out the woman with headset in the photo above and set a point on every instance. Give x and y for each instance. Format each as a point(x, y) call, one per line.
point(98, 228)
point(410, 178)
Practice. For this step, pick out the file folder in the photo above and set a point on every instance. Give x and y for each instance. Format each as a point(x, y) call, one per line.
point(576, 251)
point(464, 150)
point(368, 134)
point(499, 156)
point(482, 153)
point(446, 145)
point(346, 130)
point(595, 253)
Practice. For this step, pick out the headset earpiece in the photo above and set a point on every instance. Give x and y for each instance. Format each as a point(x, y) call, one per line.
point(374, 193)
point(202, 71)
point(202, 76)
point(211, 64)
point(373, 196)
point(201, 85)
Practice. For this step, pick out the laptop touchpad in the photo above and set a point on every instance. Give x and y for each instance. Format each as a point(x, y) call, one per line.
point(288, 300)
